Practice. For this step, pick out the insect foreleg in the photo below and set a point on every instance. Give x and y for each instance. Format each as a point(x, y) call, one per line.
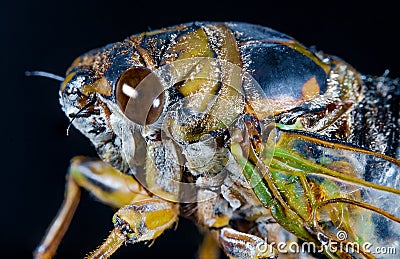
point(141, 221)
point(103, 181)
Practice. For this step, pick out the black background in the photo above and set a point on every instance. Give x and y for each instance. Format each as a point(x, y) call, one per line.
point(48, 35)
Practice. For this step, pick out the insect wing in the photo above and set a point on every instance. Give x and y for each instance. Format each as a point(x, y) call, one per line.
point(355, 193)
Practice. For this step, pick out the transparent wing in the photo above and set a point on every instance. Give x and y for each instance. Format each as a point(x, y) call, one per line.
point(353, 194)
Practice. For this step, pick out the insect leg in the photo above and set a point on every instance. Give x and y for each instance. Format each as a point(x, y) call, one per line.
point(107, 184)
point(241, 245)
point(209, 248)
point(141, 221)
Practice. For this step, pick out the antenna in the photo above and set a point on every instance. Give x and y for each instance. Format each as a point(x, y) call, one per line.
point(45, 74)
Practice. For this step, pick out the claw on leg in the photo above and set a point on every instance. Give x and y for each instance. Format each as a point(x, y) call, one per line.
point(141, 221)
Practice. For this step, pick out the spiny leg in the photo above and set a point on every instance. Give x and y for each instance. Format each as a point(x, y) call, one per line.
point(241, 245)
point(141, 221)
point(106, 183)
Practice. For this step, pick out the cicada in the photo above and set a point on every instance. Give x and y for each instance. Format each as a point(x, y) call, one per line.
point(264, 143)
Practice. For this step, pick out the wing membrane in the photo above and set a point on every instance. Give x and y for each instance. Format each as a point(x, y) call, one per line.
point(352, 192)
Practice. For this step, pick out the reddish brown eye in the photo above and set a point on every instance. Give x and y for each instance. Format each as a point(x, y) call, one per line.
point(140, 95)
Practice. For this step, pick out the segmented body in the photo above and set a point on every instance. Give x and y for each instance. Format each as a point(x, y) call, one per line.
point(308, 93)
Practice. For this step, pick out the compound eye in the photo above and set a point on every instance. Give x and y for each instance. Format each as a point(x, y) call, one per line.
point(140, 95)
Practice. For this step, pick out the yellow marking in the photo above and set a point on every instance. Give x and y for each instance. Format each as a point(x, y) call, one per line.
point(157, 218)
point(124, 188)
point(230, 94)
point(169, 196)
point(218, 109)
point(66, 80)
point(192, 44)
point(175, 28)
point(195, 44)
point(310, 89)
point(100, 86)
point(198, 85)
point(229, 49)
point(221, 221)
